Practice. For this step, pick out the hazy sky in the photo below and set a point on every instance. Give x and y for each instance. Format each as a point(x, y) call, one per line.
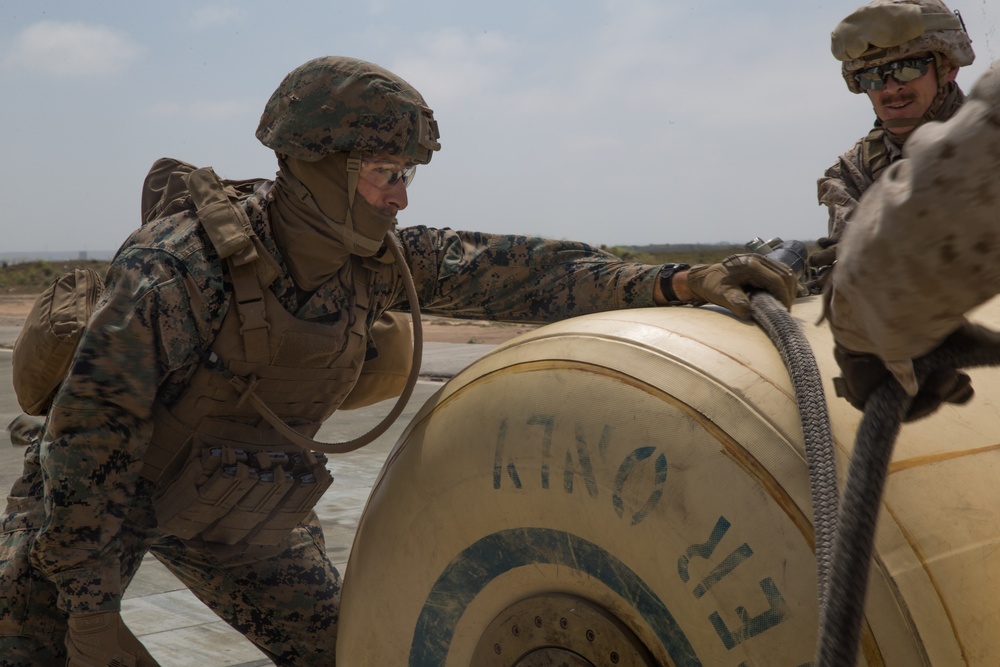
point(616, 122)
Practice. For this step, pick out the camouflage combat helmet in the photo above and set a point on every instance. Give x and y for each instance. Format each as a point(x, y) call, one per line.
point(886, 30)
point(335, 104)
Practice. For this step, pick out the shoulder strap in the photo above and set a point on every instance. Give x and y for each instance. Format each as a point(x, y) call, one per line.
point(228, 227)
point(875, 152)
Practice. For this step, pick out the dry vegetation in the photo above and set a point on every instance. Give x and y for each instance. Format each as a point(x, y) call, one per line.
point(34, 277)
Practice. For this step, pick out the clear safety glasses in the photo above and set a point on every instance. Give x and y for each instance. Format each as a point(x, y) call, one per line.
point(902, 71)
point(384, 175)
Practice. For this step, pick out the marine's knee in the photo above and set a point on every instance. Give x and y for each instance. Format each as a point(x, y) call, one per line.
point(25, 430)
point(31, 652)
point(31, 624)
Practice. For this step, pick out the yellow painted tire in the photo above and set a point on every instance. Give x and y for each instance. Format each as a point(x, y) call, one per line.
point(624, 488)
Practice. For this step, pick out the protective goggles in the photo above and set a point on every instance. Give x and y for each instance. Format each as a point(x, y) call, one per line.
point(384, 175)
point(902, 71)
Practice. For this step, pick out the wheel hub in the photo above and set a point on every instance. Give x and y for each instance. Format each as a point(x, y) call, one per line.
point(556, 630)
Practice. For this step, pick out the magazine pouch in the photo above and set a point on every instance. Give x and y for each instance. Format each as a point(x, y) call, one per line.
point(230, 492)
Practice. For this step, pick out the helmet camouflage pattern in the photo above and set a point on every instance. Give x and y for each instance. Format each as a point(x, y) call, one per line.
point(336, 104)
point(886, 30)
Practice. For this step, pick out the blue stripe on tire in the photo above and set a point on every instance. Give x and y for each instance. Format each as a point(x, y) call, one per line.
point(485, 560)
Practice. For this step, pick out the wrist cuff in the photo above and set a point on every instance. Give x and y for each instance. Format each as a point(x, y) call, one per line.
point(666, 278)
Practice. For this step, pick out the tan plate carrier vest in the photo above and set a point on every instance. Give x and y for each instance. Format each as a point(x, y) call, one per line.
point(225, 475)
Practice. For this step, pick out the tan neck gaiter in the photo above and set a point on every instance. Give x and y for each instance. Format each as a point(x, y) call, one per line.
point(309, 212)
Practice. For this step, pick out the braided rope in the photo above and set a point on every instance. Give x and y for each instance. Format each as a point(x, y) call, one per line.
point(797, 354)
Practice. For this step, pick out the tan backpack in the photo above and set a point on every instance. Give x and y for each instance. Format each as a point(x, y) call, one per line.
point(47, 343)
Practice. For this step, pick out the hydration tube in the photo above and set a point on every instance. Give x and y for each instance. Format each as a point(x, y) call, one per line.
point(397, 409)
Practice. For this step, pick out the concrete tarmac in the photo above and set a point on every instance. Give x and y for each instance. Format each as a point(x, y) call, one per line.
point(175, 626)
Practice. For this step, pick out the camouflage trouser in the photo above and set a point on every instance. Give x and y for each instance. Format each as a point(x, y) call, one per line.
point(287, 605)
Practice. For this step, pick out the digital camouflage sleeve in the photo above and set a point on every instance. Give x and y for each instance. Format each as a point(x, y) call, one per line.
point(521, 278)
point(841, 186)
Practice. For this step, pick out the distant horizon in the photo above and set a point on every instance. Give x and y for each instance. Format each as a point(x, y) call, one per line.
point(66, 255)
point(56, 255)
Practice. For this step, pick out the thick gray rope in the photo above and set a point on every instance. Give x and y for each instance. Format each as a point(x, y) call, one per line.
point(840, 622)
point(797, 354)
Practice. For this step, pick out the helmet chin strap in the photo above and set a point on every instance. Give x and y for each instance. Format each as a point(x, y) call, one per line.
point(355, 243)
point(353, 174)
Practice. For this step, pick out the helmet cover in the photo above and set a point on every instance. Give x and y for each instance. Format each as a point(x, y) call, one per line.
point(337, 104)
point(886, 30)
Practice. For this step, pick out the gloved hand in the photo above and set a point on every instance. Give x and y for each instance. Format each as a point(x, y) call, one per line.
point(26, 430)
point(862, 373)
point(821, 264)
point(826, 255)
point(103, 640)
point(725, 284)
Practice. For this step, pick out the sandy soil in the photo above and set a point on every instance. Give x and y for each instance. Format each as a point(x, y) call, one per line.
point(14, 308)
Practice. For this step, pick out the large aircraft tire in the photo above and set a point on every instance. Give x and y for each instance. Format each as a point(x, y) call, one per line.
point(619, 489)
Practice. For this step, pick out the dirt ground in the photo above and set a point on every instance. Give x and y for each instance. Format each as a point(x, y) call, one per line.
point(14, 308)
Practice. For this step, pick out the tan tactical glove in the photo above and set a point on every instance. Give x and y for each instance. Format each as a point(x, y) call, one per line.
point(725, 284)
point(821, 264)
point(826, 255)
point(103, 640)
point(26, 430)
point(862, 373)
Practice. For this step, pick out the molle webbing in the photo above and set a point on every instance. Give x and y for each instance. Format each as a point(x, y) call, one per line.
point(238, 489)
point(875, 153)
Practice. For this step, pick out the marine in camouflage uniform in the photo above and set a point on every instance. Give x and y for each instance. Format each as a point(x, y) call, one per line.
point(923, 250)
point(879, 33)
point(84, 513)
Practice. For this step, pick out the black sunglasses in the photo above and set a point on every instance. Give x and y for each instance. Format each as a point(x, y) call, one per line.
point(902, 71)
